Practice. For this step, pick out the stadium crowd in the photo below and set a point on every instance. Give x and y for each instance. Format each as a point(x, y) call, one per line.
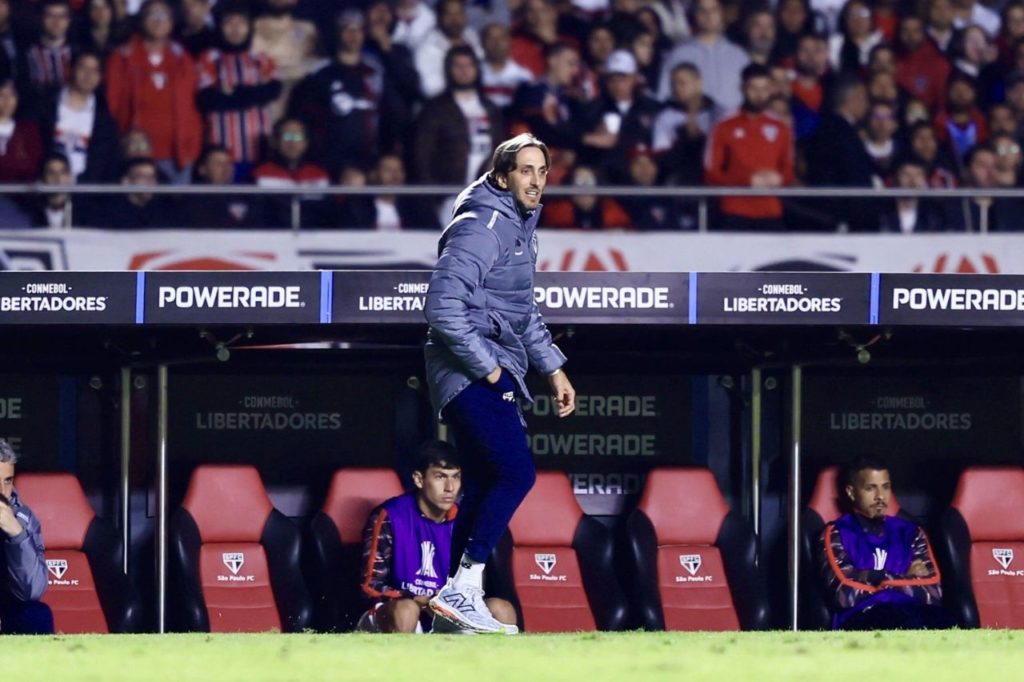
point(313, 93)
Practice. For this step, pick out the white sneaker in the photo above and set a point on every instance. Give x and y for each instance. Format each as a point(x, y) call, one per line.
point(465, 608)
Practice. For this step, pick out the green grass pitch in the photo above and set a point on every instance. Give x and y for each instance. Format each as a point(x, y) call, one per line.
point(964, 656)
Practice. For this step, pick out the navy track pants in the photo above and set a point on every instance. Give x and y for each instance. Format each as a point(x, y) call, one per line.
point(497, 466)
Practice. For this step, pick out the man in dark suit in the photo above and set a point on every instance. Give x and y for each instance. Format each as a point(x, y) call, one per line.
point(984, 214)
point(836, 157)
point(912, 215)
point(384, 212)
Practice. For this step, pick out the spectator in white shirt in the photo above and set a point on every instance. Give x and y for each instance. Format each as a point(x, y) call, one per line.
point(718, 60)
point(414, 19)
point(78, 124)
point(501, 74)
point(452, 30)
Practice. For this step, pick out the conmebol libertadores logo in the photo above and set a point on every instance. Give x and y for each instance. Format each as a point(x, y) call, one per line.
point(68, 297)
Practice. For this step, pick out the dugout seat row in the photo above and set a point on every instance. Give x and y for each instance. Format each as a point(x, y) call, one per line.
point(87, 589)
point(237, 563)
point(980, 547)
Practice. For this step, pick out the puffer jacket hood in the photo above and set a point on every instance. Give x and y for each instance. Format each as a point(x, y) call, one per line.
point(483, 195)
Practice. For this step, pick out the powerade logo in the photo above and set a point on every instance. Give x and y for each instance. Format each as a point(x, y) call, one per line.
point(928, 298)
point(230, 297)
point(603, 298)
point(51, 297)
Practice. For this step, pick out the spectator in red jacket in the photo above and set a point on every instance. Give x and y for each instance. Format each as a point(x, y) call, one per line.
point(751, 149)
point(921, 69)
point(537, 31)
point(151, 84)
point(961, 125)
point(20, 146)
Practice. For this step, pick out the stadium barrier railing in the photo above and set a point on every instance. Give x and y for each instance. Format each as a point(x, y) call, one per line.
point(701, 195)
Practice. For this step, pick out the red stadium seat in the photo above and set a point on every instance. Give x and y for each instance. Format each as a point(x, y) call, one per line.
point(559, 563)
point(695, 559)
point(825, 505)
point(337, 534)
point(236, 559)
point(87, 588)
point(983, 538)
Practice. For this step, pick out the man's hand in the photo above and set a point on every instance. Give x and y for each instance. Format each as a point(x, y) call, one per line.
point(379, 32)
point(493, 377)
point(8, 522)
point(563, 392)
point(918, 569)
point(766, 178)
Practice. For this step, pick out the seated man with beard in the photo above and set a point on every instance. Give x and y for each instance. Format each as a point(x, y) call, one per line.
point(880, 569)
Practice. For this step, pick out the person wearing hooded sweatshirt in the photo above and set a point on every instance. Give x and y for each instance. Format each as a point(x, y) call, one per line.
point(460, 125)
point(151, 84)
point(23, 578)
point(485, 330)
point(236, 85)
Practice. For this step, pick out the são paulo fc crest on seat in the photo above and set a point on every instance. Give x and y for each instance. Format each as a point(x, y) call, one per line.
point(691, 562)
point(57, 567)
point(546, 562)
point(1003, 555)
point(234, 561)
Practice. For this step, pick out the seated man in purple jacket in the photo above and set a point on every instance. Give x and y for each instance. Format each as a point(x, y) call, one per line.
point(880, 569)
point(23, 582)
point(407, 546)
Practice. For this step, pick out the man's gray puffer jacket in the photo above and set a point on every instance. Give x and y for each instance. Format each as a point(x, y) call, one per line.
point(480, 304)
point(25, 574)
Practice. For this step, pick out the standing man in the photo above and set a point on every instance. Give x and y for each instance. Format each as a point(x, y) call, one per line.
point(752, 148)
point(23, 579)
point(485, 330)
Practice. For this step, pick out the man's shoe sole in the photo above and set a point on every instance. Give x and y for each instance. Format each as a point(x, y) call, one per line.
point(452, 617)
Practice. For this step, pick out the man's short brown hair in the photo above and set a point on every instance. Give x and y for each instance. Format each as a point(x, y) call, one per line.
point(504, 161)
